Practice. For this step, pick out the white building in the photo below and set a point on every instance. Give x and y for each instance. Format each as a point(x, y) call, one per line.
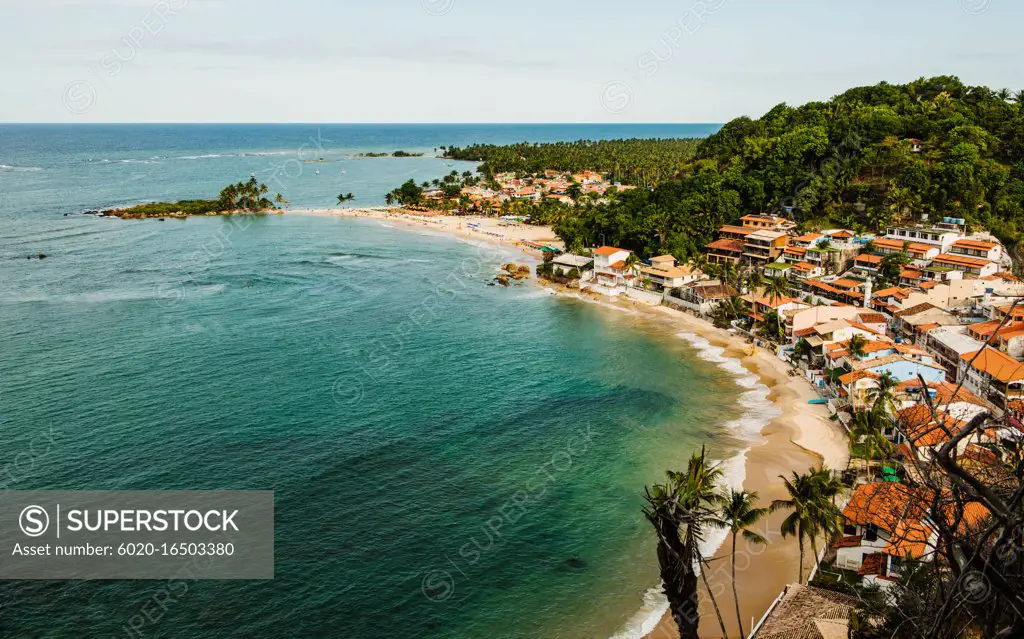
point(610, 267)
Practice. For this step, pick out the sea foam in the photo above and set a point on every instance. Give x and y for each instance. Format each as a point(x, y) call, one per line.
point(758, 411)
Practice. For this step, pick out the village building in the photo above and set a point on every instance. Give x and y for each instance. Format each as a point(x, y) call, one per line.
point(567, 263)
point(971, 265)
point(763, 247)
point(610, 268)
point(942, 236)
point(663, 273)
point(992, 375)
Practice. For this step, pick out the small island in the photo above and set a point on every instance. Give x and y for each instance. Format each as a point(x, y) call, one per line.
point(395, 154)
point(243, 197)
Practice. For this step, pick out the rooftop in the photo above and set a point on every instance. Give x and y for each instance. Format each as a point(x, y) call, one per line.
point(996, 364)
point(608, 250)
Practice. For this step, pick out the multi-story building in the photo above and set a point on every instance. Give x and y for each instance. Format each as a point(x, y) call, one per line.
point(991, 251)
point(942, 235)
point(763, 247)
point(993, 375)
point(971, 265)
point(610, 268)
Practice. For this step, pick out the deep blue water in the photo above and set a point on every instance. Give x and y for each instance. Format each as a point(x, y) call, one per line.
point(395, 402)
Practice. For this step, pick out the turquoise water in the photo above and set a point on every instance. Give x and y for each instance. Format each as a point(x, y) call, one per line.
point(450, 459)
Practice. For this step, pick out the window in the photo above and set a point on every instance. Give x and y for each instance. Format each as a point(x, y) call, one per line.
point(871, 533)
point(849, 529)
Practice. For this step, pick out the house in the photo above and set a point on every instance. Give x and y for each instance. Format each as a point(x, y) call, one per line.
point(829, 259)
point(793, 254)
point(916, 146)
point(662, 273)
point(766, 222)
point(993, 375)
point(805, 270)
point(705, 296)
point(566, 263)
point(777, 269)
point(991, 251)
point(807, 240)
point(725, 251)
point(971, 265)
point(762, 247)
point(610, 267)
point(761, 305)
point(820, 315)
point(901, 362)
point(887, 523)
point(729, 232)
point(948, 345)
point(841, 239)
point(920, 253)
point(914, 321)
point(867, 264)
point(942, 236)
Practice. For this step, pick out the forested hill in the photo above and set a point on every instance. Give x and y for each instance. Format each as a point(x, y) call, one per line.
point(850, 162)
point(632, 161)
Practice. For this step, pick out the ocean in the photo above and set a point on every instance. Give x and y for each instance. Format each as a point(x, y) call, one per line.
point(449, 459)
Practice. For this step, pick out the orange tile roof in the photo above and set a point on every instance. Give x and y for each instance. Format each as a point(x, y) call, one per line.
point(795, 250)
point(868, 258)
point(872, 318)
point(961, 260)
point(893, 292)
point(618, 266)
point(882, 504)
point(607, 250)
point(855, 376)
point(847, 283)
point(843, 234)
point(897, 245)
point(996, 364)
point(735, 246)
point(804, 266)
point(910, 274)
point(975, 244)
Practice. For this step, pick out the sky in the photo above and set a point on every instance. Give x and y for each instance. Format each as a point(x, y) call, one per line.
point(322, 61)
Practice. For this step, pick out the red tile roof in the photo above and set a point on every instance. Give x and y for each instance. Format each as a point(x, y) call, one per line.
point(608, 250)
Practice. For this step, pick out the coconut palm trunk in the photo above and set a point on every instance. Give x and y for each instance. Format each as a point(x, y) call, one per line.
point(714, 602)
point(735, 591)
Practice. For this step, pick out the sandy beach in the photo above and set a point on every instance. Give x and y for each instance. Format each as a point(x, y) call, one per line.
point(801, 436)
point(474, 227)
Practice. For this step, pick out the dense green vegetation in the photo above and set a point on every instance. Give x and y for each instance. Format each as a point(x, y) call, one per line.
point(248, 197)
point(849, 162)
point(632, 161)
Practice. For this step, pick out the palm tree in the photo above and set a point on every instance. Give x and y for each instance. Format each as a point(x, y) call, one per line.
point(631, 263)
point(803, 350)
point(827, 486)
point(776, 288)
point(389, 198)
point(1018, 97)
point(883, 395)
point(753, 279)
point(738, 515)
point(680, 510)
point(856, 346)
point(866, 431)
point(811, 500)
point(1004, 95)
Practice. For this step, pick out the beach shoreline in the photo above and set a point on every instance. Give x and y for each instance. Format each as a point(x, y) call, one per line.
point(471, 227)
point(798, 436)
